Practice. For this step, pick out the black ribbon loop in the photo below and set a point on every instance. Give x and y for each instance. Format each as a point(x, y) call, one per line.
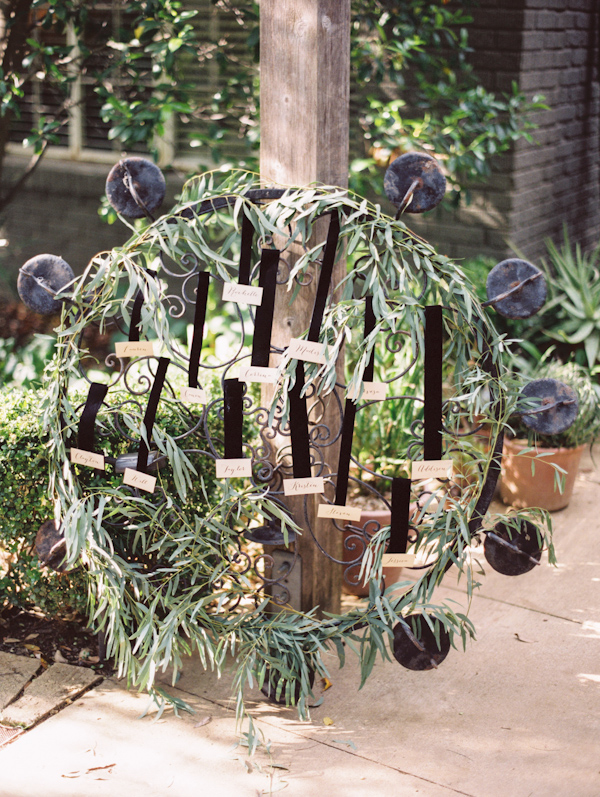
point(150, 414)
point(325, 277)
point(87, 422)
point(263, 324)
point(198, 336)
point(432, 433)
point(299, 427)
point(233, 418)
point(246, 251)
point(398, 542)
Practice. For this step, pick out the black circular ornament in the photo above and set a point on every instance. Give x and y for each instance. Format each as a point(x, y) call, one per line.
point(556, 408)
point(270, 534)
point(51, 546)
point(516, 288)
point(510, 551)
point(414, 182)
point(40, 279)
point(135, 187)
point(416, 647)
point(269, 687)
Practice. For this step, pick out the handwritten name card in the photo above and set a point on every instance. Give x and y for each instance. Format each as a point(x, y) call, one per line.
point(432, 469)
point(193, 395)
point(398, 559)
point(371, 391)
point(339, 512)
point(303, 486)
point(140, 480)
point(242, 294)
point(87, 458)
point(134, 348)
point(307, 350)
point(257, 373)
point(234, 468)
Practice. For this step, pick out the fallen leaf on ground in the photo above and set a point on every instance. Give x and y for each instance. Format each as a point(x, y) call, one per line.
point(59, 658)
point(326, 684)
point(347, 742)
point(31, 636)
point(327, 721)
point(12, 640)
point(202, 722)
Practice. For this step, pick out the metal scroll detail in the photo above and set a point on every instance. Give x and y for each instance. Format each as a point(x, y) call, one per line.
point(267, 439)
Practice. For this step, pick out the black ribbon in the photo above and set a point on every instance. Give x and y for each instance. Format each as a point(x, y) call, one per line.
point(432, 433)
point(199, 319)
point(325, 277)
point(263, 324)
point(150, 414)
point(246, 251)
point(233, 416)
point(398, 542)
point(87, 422)
point(341, 488)
point(136, 312)
point(299, 427)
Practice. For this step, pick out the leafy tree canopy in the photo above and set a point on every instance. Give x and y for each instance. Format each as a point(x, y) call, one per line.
point(413, 85)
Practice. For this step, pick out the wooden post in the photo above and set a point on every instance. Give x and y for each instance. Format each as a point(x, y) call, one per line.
point(304, 98)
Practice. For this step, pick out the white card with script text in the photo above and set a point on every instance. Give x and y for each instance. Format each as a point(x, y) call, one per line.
point(335, 512)
point(242, 294)
point(87, 458)
point(193, 395)
point(143, 481)
point(398, 559)
point(257, 373)
point(431, 469)
point(307, 350)
point(234, 468)
point(312, 484)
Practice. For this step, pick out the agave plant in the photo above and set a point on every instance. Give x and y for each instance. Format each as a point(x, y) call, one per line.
point(572, 316)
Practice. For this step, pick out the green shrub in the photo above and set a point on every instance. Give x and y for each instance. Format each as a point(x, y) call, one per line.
point(24, 502)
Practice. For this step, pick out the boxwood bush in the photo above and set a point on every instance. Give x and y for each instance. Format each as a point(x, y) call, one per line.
point(24, 505)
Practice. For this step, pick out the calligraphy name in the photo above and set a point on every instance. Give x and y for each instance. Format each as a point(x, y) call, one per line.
point(140, 480)
point(234, 468)
point(432, 469)
point(257, 373)
point(87, 458)
point(307, 350)
point(130, 348)
point(303, 486)
point(246, 294)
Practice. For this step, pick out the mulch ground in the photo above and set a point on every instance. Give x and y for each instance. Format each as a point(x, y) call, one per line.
point(50, 639)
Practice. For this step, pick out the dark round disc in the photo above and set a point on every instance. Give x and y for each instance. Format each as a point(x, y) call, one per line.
point(269, 534)
point(39, 273)
point(524, 302)
point(550, 392)
point(51, 546)
point(148, 182)
point(409, 655)
point(506, 560)
point(402, 172)
point(269, 688)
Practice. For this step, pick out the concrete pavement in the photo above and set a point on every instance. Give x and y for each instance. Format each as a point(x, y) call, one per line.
point(517, 715)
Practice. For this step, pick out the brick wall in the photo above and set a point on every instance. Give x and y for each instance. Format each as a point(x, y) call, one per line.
point(58, 213)
point(549, 47)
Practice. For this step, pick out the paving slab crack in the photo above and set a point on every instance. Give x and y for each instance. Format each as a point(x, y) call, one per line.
point(222, 704)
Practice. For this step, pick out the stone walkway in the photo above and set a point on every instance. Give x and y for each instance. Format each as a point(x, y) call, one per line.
point(516, 715)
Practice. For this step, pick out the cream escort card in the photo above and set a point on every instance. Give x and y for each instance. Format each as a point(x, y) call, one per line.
point(431, 469)
point(398, 559)
point(257, 373)
point(335, 512)
point(311, 484)
point(193, 395)
point(371, 391)
point(307, 350)
point(234, 468)
point(87, 458)
point(242, 294)
point(134, 348)
point(134, 478)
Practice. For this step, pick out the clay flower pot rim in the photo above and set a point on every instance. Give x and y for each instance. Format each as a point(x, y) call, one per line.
point(517, 442)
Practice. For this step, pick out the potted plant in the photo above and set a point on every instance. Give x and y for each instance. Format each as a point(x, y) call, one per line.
point(540, 470)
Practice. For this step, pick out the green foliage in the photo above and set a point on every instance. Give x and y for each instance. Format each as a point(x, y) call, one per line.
point(416, 89)
point(187, 583)
point(24, 506)
point(24, 366)
point(572, 314)
point(25, 503)
point(133, 66)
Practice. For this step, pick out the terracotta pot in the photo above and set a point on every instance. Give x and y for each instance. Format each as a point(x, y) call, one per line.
point(371, 521)
point(518, 487)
